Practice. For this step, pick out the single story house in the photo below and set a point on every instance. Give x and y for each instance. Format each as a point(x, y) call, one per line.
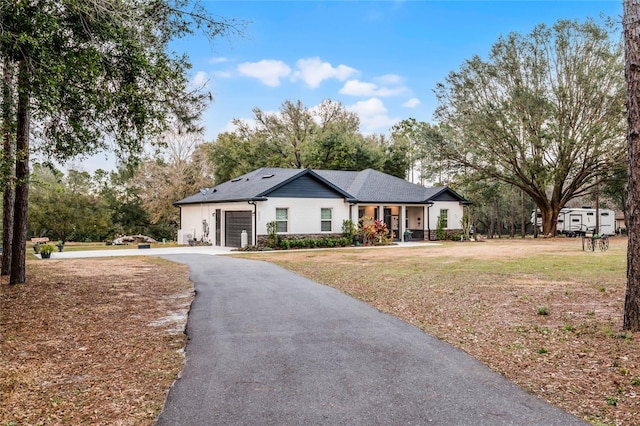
point(314, 203)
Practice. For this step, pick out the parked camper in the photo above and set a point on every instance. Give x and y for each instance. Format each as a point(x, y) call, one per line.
point(576, 221)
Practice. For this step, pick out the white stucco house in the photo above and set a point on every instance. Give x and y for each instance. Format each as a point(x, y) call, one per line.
point(306, 202)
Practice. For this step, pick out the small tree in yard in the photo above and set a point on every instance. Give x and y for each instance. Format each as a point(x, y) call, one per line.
point(348, 229)
point(466, 224)
point(441, 233)
point(272, 234)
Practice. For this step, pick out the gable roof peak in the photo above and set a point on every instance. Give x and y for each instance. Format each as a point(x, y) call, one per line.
point(365, 186)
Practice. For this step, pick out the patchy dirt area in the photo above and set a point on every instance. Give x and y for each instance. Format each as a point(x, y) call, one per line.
point(91, 341)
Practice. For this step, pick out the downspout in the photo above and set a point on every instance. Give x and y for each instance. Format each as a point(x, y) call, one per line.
point(255, 222)
point(429, 205)
point(180, 228)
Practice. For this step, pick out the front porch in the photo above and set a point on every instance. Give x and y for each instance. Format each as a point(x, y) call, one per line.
point(399, 219)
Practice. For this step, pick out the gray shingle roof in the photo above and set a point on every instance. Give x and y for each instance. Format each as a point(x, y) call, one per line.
point(371, 186)
point(366, 186)
point(243, 188)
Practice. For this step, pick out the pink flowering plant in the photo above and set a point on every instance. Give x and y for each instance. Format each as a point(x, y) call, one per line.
point(372, 231)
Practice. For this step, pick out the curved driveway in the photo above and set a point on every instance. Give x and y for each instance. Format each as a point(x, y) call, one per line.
point(268, 347)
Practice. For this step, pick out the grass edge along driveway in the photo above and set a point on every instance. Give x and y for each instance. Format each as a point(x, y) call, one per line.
point(542, 312)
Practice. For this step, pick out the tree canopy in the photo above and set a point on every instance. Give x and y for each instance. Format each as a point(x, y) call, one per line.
point(67, 207)
point(174, 171)
point(90, 75)
point(544, 112)
point(324, 137)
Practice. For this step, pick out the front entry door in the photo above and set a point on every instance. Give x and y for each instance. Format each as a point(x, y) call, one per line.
point(393, 223)
point(387, 218)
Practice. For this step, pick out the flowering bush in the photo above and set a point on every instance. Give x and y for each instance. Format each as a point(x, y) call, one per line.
point(372, 231)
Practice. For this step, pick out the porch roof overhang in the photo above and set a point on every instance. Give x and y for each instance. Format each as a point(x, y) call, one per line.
point(399, 203)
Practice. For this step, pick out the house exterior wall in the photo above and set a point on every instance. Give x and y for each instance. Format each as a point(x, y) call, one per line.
point(191, 225)
point(454, 214)
point(193, 215)
point(304, 217)
point(415, 217)
point(303, 214)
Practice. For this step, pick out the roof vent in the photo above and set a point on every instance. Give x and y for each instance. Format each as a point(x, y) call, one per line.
point(236, 179)
point(267, 176)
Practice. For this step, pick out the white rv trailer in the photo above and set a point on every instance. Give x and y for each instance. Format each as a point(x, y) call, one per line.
point(578, 220)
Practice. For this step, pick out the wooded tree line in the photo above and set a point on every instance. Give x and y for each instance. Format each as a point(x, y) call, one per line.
point(81, 76)
point(543, 115)
point(135, 199)
point(539, 123)
point(325, 137)
point(541, 119)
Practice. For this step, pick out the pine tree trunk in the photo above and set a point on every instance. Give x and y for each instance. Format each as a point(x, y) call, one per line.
point(631, 26)
point(512, 232)
point(7, 166)
point(19, 246)
point(522, 216)
point(498, 219)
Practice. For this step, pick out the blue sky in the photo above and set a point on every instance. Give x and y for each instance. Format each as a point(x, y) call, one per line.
point(380, 59)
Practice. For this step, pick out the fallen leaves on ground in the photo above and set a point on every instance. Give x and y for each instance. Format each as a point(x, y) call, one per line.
point(91, 341)
point(543, 313)
point(99, 341)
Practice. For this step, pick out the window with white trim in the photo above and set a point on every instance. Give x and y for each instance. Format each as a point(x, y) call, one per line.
point(325, 220)
point(444, 218)
point(282, 219)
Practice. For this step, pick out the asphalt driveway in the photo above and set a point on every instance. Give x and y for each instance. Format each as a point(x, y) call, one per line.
point(268, 347)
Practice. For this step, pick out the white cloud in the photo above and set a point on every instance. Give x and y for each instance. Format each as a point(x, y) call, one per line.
point(373, 116)
point(373, 106)
point(358, 88)
point(230, 127)
point(313, 71)
point(389, 79)
point(200, 80)
point(268, 71)
point(412, 103)
point(361, 88)
point(218, 60)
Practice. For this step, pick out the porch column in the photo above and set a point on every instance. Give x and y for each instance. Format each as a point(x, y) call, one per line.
point(425, 223)
point(403, 222)
point(425, 219)
point(380, 213)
